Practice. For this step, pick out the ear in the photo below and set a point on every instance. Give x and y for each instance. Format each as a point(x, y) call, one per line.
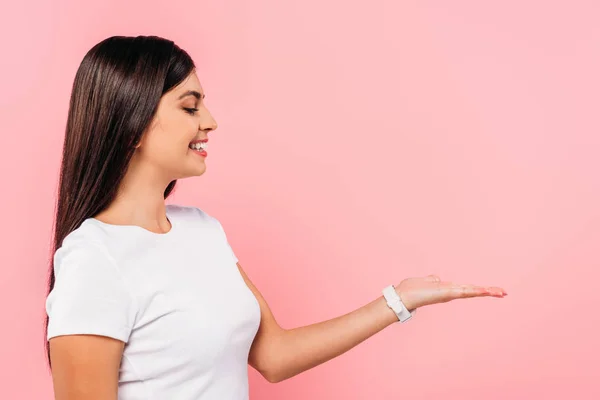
point(140, 141)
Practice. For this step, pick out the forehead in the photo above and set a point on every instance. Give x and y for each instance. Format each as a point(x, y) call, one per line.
point(190, 83)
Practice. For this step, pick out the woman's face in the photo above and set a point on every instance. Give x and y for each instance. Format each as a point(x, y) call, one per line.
point(181, 118)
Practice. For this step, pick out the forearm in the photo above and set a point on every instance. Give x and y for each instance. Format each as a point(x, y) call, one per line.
point(303, 348)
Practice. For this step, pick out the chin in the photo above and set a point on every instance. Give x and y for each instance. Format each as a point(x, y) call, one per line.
point(194, 166)
point(191, 172)
point(199, 171)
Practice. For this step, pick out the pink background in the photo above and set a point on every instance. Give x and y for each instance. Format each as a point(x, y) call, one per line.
point(359, 143)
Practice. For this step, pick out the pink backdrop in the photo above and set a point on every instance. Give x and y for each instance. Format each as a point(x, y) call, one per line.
point(359, 143)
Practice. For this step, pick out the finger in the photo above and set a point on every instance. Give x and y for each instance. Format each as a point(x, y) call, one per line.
point(466, 291)
point(432, 278)
point(496, 291)
point(479, 291)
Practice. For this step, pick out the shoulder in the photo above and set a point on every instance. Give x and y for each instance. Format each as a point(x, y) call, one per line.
point(192, 213)
point(79, 260)
point(88, 238)
point(85, 271)
point(90, 294)
point(85, 252)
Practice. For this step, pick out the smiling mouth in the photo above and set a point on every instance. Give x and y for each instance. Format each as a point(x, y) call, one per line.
point(199, 146)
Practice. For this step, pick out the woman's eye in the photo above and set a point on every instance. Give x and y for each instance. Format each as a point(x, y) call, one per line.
point(190, 111)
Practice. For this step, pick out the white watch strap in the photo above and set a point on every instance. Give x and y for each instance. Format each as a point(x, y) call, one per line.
point(395, 303)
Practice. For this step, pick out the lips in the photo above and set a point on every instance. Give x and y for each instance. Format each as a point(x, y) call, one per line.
point(199, 152)
point(199, 141)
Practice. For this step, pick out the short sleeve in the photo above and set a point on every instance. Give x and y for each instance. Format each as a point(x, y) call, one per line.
point(227, 242)
point(89, 295)
point(232, 253)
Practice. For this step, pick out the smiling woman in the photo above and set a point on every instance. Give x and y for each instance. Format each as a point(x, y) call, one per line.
point(136, 124)
point(132, 313)
point(181, 120)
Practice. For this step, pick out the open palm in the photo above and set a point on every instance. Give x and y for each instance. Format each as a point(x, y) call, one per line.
point(418, 292)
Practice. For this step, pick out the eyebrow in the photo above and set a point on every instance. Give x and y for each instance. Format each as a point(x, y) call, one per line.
point(194, 93)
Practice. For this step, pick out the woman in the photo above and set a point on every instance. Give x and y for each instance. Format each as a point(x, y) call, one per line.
point(147, 300)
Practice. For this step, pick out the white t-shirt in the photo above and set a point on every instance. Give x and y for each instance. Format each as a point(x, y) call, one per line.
point(177, 300)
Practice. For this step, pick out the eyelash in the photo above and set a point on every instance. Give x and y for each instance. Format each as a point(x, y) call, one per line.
point(190, 111)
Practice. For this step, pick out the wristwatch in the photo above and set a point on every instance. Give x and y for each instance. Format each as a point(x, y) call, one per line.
point(395, 303)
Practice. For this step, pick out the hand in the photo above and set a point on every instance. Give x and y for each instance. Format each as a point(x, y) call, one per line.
point(418, 292)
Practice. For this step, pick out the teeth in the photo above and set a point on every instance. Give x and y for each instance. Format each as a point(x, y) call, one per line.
point(198, 146)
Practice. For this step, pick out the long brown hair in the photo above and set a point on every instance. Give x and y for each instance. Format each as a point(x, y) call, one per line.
point(115, 95)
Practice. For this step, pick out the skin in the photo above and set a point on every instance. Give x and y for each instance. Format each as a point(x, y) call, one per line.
point(87, 366)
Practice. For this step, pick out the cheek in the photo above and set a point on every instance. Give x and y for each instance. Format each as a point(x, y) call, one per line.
point(167, 143)
point(165, 147)
point(180, 130)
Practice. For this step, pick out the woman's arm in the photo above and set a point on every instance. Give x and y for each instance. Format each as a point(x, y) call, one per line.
point(85, 367)
point(279, 354)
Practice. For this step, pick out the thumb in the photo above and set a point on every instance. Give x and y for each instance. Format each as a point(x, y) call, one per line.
point(432, 278)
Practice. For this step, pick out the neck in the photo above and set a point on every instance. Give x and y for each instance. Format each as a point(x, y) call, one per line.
point(140, 200)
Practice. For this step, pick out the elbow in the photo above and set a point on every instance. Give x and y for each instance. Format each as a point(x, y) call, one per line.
point(276, 375)
point(268, 368)
point(272, 376)
point(268, 361)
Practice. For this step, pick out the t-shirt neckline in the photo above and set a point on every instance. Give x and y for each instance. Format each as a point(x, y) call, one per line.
point(139, 228)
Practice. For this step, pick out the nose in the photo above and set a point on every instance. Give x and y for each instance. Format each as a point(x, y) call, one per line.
point(207, 122)
point(209, 126)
